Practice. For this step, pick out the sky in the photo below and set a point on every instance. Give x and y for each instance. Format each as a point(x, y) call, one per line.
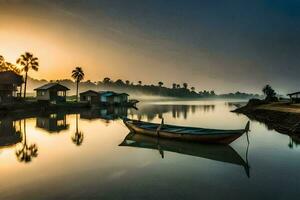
point(221, 45)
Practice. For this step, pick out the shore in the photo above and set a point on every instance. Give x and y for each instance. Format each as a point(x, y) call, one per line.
point(280, 116)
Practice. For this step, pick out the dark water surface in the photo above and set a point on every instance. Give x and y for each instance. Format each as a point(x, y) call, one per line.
point(78, 156)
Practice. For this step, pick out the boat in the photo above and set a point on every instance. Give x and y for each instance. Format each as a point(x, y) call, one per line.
point(216, 152)
point(203, 135)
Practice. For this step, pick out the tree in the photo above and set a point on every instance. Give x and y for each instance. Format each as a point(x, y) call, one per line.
point(119, 82)
point(28, 61)
point(106, 80)
point(140, 83)
point(193, 89)
point(127, 82)
point(160, 84)
point(77, 138)
point(185, 85)
point(178, 86)
point(77, 75)
point(174, 85)
point(269, 92)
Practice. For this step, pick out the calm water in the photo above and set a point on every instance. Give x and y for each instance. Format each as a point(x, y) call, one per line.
point(78, 156)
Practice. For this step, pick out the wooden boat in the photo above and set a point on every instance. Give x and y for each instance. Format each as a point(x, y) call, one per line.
point(185, 133)
point(216, 152)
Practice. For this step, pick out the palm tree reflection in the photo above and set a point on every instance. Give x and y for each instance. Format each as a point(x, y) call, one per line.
point(78, 136)
point(27, 151)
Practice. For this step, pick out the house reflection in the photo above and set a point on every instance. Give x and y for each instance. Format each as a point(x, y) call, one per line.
point(52, 123)
point(107, 114)
point(10, 133)
point(178, 111)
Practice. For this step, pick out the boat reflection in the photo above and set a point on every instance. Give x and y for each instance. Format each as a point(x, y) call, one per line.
point(222, 153)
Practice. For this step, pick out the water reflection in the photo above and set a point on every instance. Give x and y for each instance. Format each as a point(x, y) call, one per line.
point(149, 112)
point(221, 153)
point(26, 152)
point(78, 136)
point(52, 123)
point(10, 132)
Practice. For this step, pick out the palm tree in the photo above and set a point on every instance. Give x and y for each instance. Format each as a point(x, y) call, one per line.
point(28, 61)
point(160, 84)
point(77, 75)
point(77, 138)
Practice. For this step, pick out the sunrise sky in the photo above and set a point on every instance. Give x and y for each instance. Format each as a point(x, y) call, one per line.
point(221, 45)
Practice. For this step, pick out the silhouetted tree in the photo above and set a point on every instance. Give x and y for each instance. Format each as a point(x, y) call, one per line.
point(106, 80)
point(28, 61)
point(7, 66)
point(178, 86)
point(185, 85)
point(127, 82)
point(193, 89)
point(77, 138)
point(140, 83)
point(119, 82)
point(269, 92)
point(174, 85)
point(77, 75)
point(160, 84)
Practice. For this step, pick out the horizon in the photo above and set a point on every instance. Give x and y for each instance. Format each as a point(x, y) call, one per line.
point(223, 47)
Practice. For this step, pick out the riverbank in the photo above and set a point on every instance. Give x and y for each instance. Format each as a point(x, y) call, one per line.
point(280, 116)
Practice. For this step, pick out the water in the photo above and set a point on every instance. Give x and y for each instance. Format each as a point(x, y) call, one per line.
point(54, 162)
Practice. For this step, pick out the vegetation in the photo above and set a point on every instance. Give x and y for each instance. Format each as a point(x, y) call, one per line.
point(270, 93)
point(7, 66)
point(77, 75)
point(28, 61)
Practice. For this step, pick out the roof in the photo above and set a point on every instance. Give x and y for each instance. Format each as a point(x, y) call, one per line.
point(89, 92)
point(293, 93)
point(10, 77)
point(111, 93)
point(55, 86)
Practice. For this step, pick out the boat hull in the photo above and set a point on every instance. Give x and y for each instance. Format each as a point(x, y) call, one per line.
point(221, 138)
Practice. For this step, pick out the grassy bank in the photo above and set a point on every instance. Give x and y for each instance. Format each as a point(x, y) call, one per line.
point(280, 116)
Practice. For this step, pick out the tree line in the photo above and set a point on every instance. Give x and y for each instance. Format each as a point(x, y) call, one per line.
point(28, 61)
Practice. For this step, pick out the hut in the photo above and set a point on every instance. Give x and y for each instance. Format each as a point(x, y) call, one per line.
point(90, 96)
point(111, 98)
point(52, 92)
point(294, 97)
point(10, 84)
